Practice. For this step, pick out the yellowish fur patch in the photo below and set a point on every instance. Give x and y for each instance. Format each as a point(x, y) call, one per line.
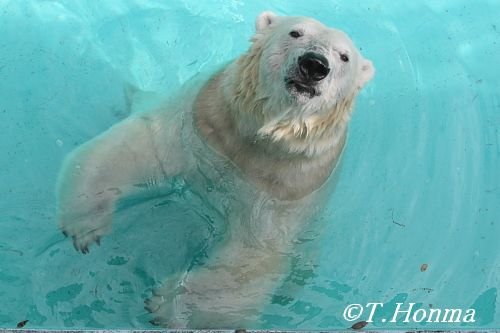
point(314, 127)
point(244, 96)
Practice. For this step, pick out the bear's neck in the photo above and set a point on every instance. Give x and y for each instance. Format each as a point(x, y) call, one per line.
point(270, 164)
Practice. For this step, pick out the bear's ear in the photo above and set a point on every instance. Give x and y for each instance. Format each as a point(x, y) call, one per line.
point(264, 20)
point(367, 71)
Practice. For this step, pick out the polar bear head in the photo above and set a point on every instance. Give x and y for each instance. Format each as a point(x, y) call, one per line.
point(298, 81)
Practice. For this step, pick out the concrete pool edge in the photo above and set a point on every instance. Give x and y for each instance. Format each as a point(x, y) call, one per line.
point(237, 331)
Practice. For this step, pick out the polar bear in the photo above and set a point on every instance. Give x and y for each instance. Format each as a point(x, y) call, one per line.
point(268, 129)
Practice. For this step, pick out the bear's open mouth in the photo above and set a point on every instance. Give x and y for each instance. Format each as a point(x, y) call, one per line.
point(301, 88)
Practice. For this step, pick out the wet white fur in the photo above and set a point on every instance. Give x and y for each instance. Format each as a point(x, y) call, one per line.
point(274, 151)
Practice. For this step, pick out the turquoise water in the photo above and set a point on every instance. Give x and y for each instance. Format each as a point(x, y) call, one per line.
point(419, 181)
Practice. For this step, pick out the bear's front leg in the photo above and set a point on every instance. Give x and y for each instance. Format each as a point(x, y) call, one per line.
point(122, 161)
point(228, 292)
point(240, 275)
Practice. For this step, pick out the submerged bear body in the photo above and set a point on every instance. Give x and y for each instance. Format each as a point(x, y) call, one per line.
point(259, 141)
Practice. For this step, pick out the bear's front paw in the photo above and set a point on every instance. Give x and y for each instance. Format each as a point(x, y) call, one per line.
point(82, 242)
point(167, 305)
point(84, 233)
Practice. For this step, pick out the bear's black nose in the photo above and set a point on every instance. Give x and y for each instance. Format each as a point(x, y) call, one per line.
point(313, 66)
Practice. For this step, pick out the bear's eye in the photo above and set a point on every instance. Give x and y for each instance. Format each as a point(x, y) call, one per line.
point(295, 34)
point(344, 58)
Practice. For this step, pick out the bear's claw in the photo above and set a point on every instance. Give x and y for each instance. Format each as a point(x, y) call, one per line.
point(82, 239)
